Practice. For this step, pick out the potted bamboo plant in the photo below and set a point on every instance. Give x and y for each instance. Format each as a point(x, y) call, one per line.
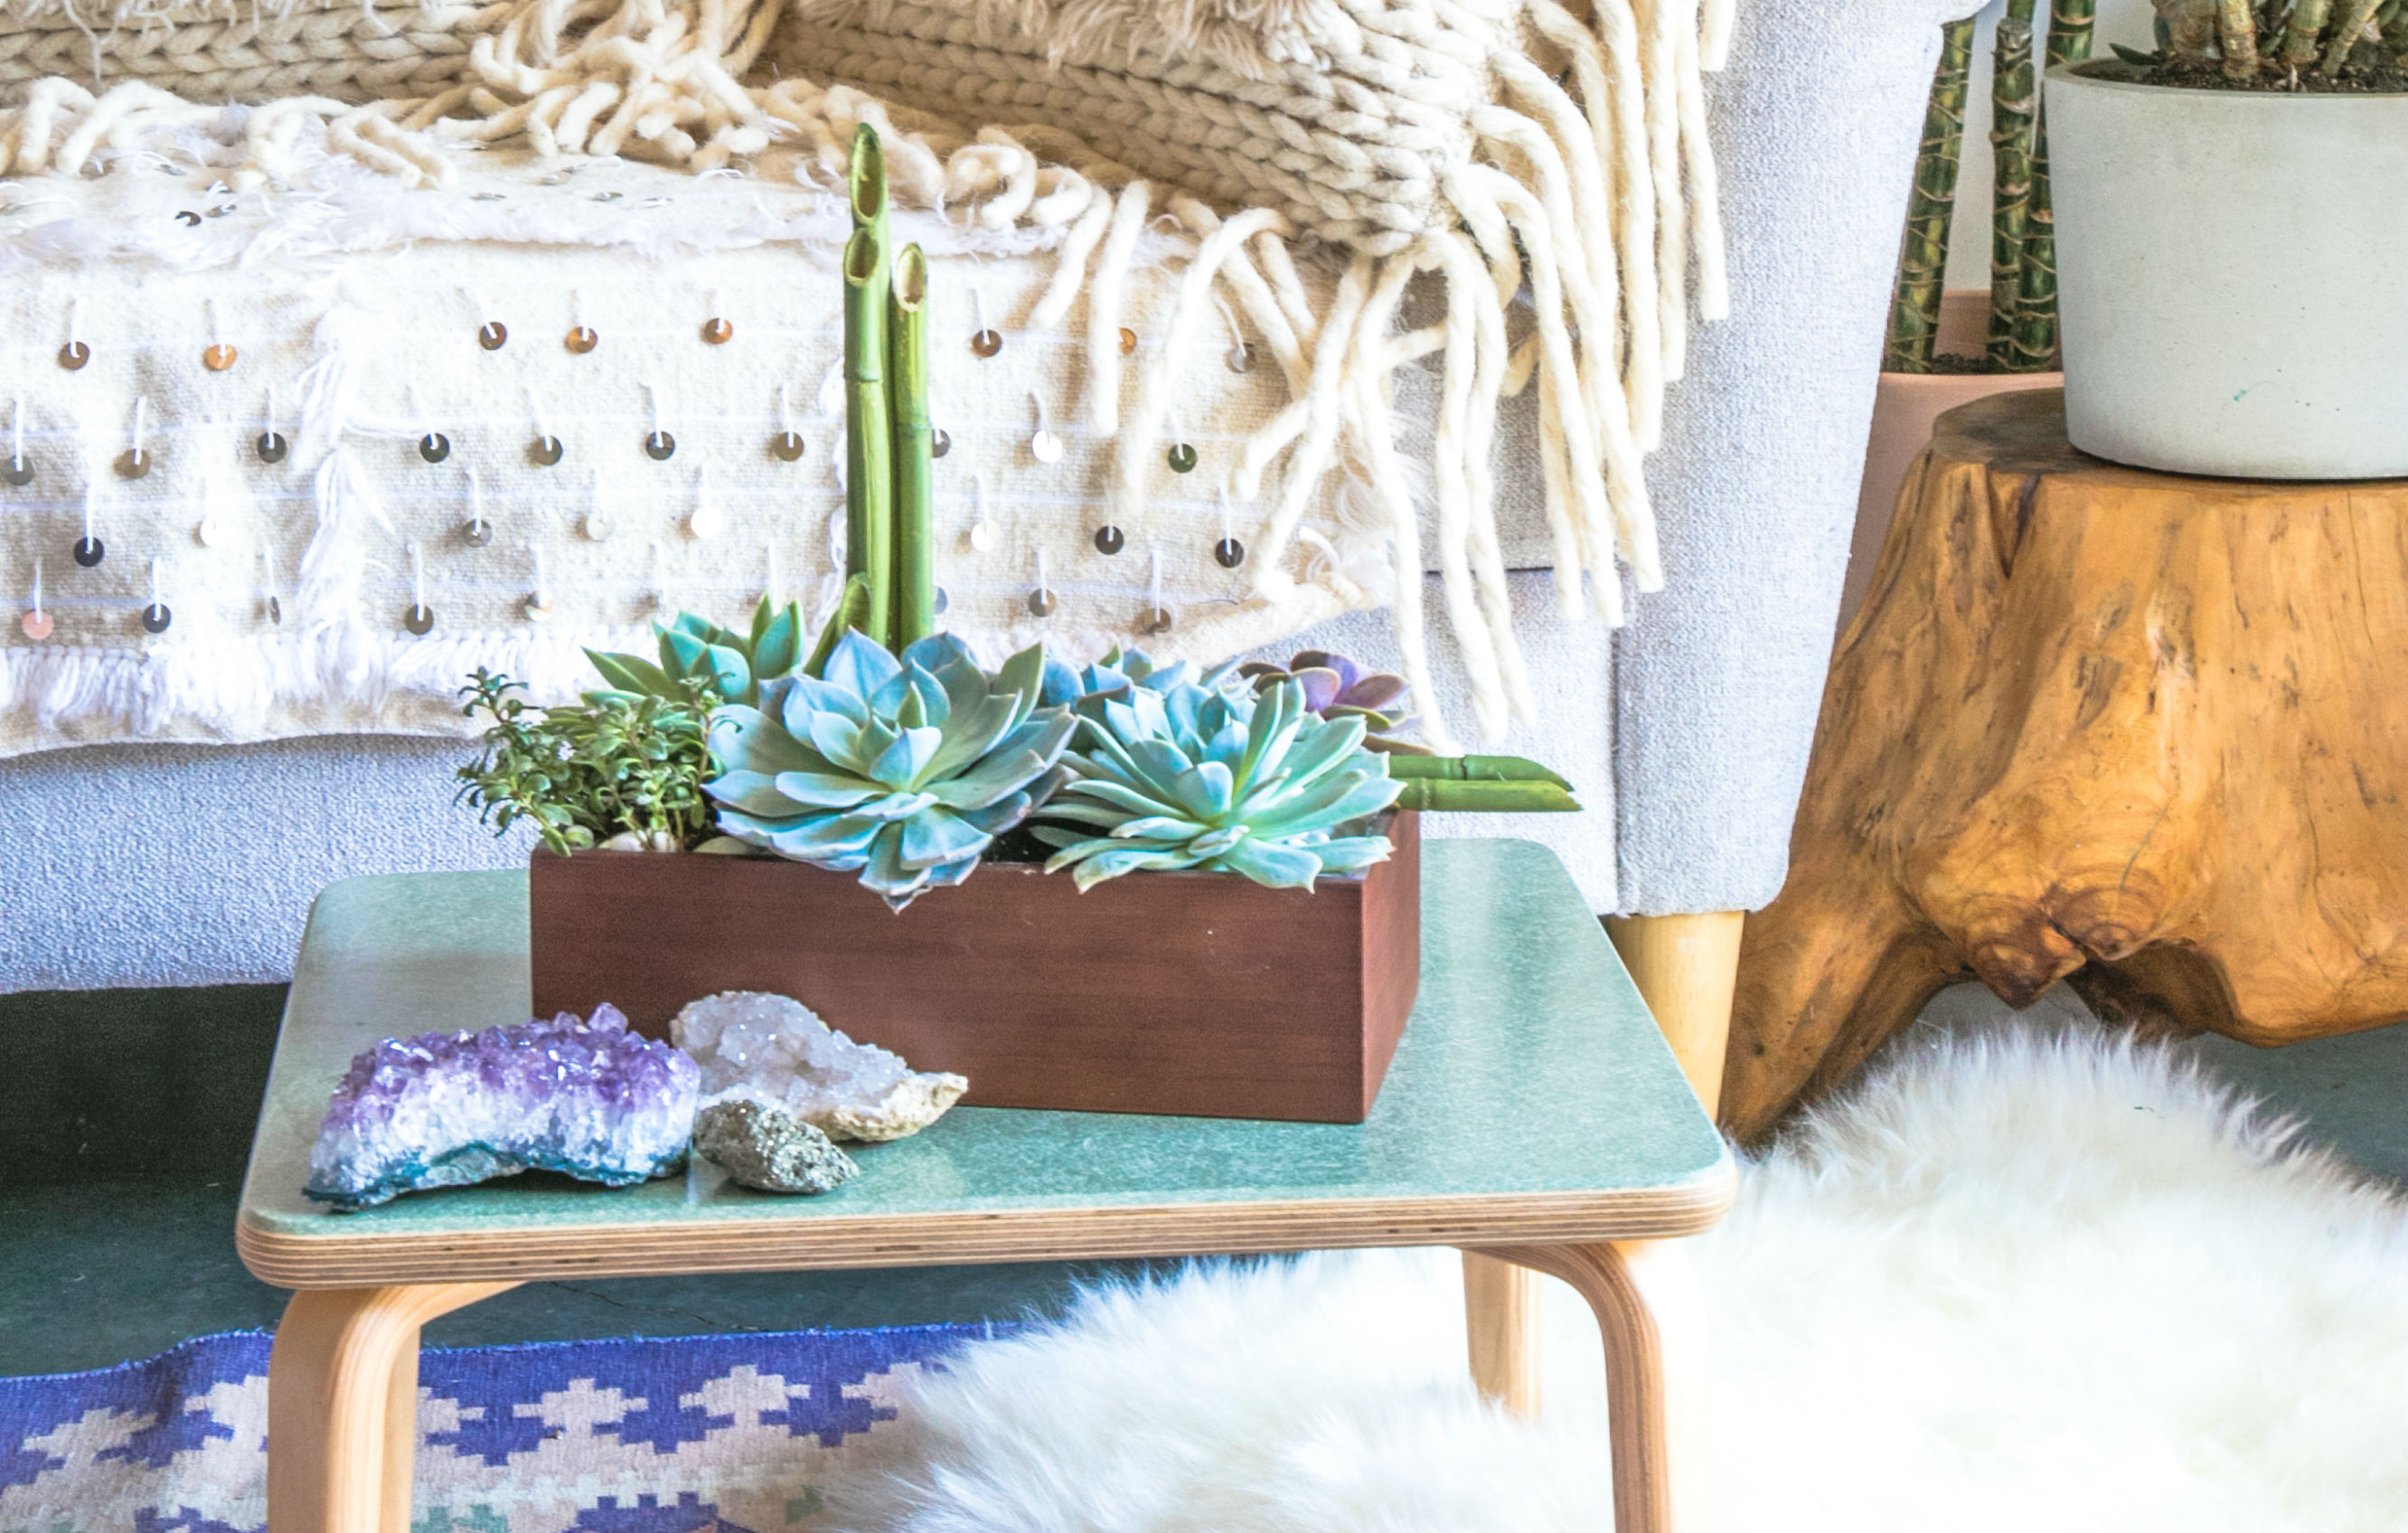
point(1194, 892)
point(2233, 207)
point(1948, 347)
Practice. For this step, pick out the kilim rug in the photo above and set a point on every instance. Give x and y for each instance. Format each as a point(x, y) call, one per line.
point(667, 1435)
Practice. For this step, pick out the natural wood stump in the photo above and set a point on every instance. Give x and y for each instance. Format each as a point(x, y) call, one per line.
point(2145, 733)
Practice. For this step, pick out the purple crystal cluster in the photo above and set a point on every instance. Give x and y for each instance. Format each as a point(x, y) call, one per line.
point(444, 1110)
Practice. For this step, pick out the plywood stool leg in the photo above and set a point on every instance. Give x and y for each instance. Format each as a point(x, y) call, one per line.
point(1500, 1306)
point(1652, 1315)
point(1685, 966)
point(342, 1404)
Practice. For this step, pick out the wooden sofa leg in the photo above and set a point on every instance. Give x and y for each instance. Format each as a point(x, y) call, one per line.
point(1685, 966)
point(1500, 1306)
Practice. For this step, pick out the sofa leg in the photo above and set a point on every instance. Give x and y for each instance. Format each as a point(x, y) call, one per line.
point(1500, 1306)
point(1685, 966)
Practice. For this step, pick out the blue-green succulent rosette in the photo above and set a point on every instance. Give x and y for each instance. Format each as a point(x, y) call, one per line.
point(1176, 772)
point(904, 768)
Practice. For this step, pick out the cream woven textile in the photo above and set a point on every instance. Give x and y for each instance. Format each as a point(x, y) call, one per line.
point(1508, 190)
point(290, 584)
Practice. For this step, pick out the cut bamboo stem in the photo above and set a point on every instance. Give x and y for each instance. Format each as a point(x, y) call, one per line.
point(1923, 255)
point(2236, 34)
point(907, 356)
point(2013, 99)
point(2069, 28)
point(2344, 37)
point(868, 498)
point(2299, 37)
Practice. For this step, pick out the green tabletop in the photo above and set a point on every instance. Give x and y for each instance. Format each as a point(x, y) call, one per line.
point(1531, 1098)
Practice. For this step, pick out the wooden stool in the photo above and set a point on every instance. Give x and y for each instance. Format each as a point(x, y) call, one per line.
point(2144, 733)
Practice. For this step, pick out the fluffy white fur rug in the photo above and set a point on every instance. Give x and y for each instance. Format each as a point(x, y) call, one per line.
point(2042, 1280)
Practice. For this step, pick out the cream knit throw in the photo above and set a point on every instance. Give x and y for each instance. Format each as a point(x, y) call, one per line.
point(1466, 147)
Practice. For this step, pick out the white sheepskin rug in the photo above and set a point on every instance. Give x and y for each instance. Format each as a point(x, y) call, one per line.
point(2042, 1280)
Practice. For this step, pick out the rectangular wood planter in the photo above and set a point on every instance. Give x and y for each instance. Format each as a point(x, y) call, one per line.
point(1196, 993)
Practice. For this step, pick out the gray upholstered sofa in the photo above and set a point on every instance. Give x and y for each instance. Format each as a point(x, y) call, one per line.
point(179, 865)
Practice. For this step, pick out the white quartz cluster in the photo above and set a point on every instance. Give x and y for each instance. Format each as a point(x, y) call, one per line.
point(775, 1051)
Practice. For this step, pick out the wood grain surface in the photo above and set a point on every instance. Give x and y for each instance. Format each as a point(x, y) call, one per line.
point(2144, 732)
point(1194, 994)
point(522, 1253)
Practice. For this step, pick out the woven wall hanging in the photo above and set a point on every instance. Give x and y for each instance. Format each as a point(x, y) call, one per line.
point(1499, 190)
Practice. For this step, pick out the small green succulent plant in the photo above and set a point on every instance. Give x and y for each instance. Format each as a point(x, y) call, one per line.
point(730, 665)
point(1181, 773)
point(904, 768)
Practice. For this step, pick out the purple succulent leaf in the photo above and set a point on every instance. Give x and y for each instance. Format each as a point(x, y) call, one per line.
point(1322, 686)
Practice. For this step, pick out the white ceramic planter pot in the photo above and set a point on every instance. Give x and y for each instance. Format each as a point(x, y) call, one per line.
point(2231, 294)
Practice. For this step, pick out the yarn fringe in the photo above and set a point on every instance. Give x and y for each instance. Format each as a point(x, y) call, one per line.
point(1595, 187)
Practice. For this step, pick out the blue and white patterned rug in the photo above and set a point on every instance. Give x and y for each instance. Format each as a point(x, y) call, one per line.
point(669, 1435)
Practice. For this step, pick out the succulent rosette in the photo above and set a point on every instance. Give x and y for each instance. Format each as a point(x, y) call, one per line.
point(1177, 774)
point(905, 769)
point(1335, 687)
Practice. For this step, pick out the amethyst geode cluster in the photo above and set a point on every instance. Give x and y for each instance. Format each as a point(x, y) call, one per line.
point(443, 1110)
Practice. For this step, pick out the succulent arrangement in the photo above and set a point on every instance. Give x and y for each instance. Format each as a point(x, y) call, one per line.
point(887, 751)
point(906, 769)
point(1181, 774)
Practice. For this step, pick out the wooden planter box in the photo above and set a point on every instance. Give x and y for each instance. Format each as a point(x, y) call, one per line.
point(1198, 994)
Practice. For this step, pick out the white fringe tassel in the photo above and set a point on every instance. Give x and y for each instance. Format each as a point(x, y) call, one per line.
point(1599, 190)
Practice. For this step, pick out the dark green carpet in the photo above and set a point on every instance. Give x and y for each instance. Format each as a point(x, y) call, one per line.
point(125, 1120)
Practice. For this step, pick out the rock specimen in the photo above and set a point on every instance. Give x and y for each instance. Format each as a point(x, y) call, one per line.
point(445, 1110)
point(776, 1052)
point(770, 1151)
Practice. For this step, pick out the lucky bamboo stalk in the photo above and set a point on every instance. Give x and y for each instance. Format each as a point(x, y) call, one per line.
point(2013, 98)
point(2236, 34)
point(1923, 256)
point(1474, 769)
point(2344, 37)
point(2300, 34)
point(906, 371)
point(868, 498)
point(2069, 23)
point(2189, 27)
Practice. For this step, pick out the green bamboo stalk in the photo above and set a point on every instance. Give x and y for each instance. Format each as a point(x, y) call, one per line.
point(1474, 770)
point(1442, 796)
point(2344, 37)
point(2070, 30)
point(907, 358)
point(2013, 99)
point(2189, 28)
point(2236, 35)
point(868, 497)
point(2301, 35)
point(1923, 254)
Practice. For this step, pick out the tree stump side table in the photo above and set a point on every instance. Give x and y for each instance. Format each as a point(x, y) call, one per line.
point(2144, 733)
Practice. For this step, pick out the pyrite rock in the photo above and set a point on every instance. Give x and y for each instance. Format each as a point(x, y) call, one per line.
point(769, 1150)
